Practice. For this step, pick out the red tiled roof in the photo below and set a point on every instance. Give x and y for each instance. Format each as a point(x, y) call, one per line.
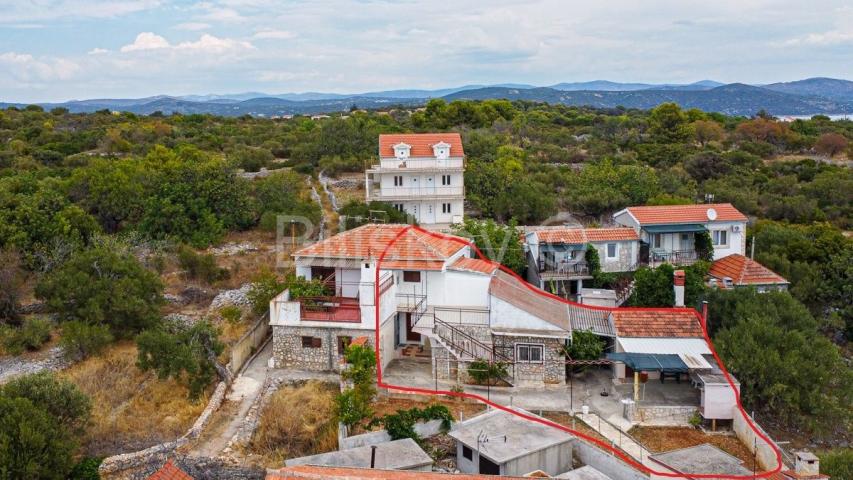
point(348, 473)
point(170, 471)
point(413, 264)
point(667, 214)
point(744, 271)
point(578, 236)
point(369, 241)
point(421, 143)
point(474, 265)
point(359, 341)
point(661, 323)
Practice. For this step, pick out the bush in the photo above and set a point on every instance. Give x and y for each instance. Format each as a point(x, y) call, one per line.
point(60, 398)
point(81, 340)
point(31, 335)
point(837, 463)
point(484, 372)
point(265, 286)
point(200, 266)
point(231, 313)
point(402, 423)
point(86, 469)
point(32, 443)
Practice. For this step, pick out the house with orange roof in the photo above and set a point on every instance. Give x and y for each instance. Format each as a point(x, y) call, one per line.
point(668, 232)
point(556, 257)
point(735, 270)
point(421, 174)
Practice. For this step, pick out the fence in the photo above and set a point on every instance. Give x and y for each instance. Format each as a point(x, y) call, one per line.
point(249, 343)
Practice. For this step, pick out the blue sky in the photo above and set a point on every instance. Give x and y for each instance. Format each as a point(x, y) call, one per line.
point(52, 50)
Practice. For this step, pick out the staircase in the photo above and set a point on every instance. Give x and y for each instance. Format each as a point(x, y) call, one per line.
point(466, 348)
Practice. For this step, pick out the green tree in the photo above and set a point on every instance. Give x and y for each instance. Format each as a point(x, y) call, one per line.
point(585, 346)
point(103, 287)
point(61, 399)
point(653, 287)
point(187, 354)
point(32, 444)
point(668, 124)
point(500, 243)
point(81, 340)
point(11, 281)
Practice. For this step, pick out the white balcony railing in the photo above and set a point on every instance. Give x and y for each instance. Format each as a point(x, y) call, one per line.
point(418, 164)
point(413, 192)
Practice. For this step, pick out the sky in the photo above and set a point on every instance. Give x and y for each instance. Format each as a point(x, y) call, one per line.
point(56, 50)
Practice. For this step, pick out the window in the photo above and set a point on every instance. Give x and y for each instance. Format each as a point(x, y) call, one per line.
point(445, 179)
point(445, 208)
point(611, 250)
point(656, 240)
point(398, 180)
point(411, 277)
point(721, 238)
point(526, 353)
point(467, 453)
point(398, 207)
point(311, 342)
point(343, 343)
point(684, 238)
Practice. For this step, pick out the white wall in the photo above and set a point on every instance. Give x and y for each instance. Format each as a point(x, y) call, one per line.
point(736, 240)
point(718, 402)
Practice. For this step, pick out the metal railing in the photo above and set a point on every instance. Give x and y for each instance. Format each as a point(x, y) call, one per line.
point(405, 192)
point(675, 257)
point(579, 267)
point(329, 309)
point(462, 316)
point(466, 344)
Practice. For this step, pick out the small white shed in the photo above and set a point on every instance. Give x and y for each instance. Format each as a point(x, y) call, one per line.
point(718, 399)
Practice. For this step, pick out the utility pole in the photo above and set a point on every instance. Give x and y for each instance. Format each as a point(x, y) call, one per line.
point(752, 249)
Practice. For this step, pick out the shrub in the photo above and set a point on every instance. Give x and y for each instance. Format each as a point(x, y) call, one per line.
point(352, 407)
point(81, 340)
point(837, 463)
point(585, 346)
point(86, 469)
point(31, 335)
point(32, 443)
point(402, 423)
point(484, 372)
point(60, 398)
point(265, 286)
point(200, 266)
point(231, 313)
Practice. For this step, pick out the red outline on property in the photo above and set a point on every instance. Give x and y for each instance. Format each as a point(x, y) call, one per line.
point(543, 421)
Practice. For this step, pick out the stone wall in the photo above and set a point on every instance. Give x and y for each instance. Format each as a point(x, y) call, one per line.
point(662, 414)
point(764, 452)
point(112, 466)
point(288, 351)
point(550, 371)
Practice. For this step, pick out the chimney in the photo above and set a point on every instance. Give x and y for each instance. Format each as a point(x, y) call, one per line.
point(373, 456)
point(705, 315)
point(678, 284)
point(806, 464)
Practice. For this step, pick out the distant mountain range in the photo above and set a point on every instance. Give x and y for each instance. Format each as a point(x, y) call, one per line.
point(803, 97)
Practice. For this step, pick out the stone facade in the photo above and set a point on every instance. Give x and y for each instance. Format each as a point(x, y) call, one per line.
point(661, 414)
point(312, 348)
point(552, 370)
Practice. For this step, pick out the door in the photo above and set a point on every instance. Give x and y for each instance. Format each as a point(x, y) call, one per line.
point(488, 467)
point(410, 335)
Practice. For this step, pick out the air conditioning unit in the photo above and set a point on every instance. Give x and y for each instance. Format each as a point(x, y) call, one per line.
point(735, 228)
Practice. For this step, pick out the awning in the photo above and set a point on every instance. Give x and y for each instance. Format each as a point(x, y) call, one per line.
point(650, 362)
point(690, 346)
point(679, 228)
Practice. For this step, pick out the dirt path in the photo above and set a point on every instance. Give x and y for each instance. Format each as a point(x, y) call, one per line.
point(50, 359)
point(239, 399)
point(327, 204)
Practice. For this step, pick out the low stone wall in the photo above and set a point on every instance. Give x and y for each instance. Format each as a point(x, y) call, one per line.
point(158, 453)
point(663, 414)
point(288, 351)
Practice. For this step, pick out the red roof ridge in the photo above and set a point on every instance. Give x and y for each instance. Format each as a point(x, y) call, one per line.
point(693, 213)
point(744, 271)
point(170, 471)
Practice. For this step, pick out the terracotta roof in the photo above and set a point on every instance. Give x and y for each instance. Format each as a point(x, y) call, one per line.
point(369, 241)
point(421, 143)
point(359, 341)
point(744, 271)
point(509, 289)
point(477, 265)
point(170, 471)
point(413, 264)
point(661, 323)
point(668, 214)
point(578, 236)
point(346, 473)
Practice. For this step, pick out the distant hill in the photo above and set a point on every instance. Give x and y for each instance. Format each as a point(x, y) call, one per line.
point(733, 99)
point(820, 86)
point(804, 97)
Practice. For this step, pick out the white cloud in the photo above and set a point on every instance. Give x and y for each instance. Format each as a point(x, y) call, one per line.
point(832, 37)
point(146, 41)
point(192, 26)
point(98, 51)
point(14, 11)
point(25, 67)
point(210, 44)
point(274, 35)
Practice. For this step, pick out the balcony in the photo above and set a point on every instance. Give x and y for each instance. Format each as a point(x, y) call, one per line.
point(419, 164)
point(659, 256)
point(563, 269)
point(403, 193)
point(330, 309)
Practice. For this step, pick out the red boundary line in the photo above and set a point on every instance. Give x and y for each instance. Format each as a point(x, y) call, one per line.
point(543, 421)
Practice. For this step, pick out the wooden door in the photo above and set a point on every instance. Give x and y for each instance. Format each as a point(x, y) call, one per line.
point(410, 335)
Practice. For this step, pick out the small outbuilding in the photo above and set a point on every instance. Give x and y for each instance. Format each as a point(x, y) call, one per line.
point(403, 454)
point(501, 443)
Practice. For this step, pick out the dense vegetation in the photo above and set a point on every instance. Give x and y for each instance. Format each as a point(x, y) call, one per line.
point(75, 189)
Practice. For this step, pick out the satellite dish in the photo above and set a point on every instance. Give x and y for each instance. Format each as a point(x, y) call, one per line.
point(712, 214)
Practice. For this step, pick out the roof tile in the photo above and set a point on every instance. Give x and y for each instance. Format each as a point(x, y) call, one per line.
point(170, 471)
point(474, 265)
point(669, 214)
point(579, 236)
point(744, 271)
point(660, 323)
point(421, 143)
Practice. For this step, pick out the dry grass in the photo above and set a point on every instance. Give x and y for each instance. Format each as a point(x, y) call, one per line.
point(664, 439)
point(131, 409)
point(384, 405)
point(297, 421)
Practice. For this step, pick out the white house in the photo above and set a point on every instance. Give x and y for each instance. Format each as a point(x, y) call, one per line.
point(420, 174)
point(667, 232)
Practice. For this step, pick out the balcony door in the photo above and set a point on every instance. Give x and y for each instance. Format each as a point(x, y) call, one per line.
point(411, 336)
